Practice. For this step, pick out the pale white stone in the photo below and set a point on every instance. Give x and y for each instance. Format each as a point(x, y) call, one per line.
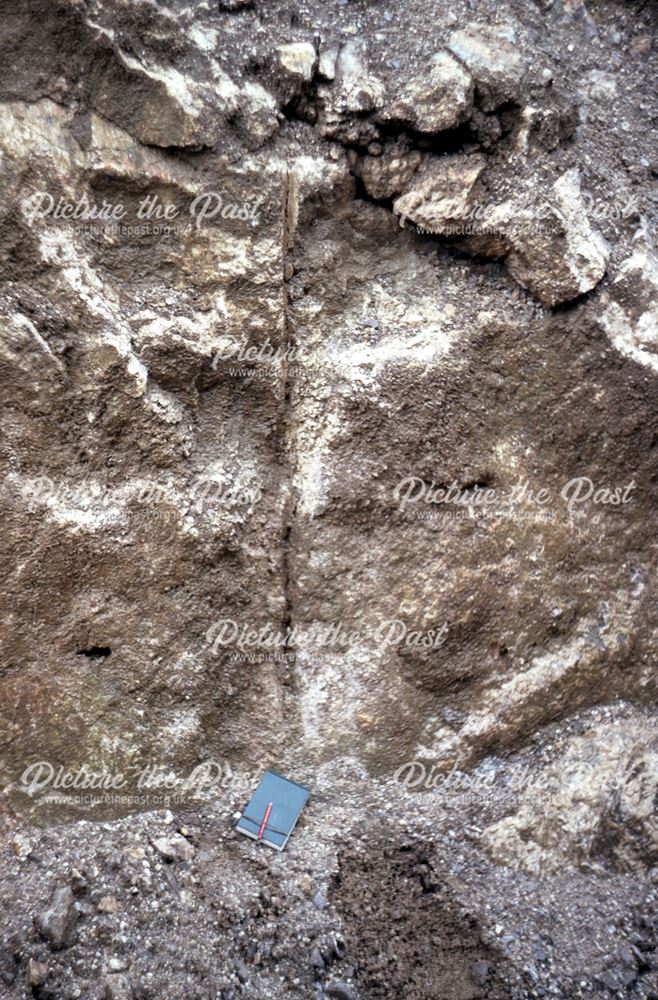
point(586, 251)
point(298, 59)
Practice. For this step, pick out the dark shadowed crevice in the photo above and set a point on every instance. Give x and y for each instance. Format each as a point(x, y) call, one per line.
point(290, 501)
point(566, 307)
point(95, 652)
point(444, 143)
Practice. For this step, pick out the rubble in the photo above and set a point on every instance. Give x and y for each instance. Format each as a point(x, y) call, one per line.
point(438, 197)
point(560, 256)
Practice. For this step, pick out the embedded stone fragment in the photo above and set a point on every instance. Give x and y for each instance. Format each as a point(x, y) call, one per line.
point(439, 98)
point(173, 110)
point(57, 923)
point(312, 180)
point(439, 197)
point(387, 175)
point(108, 904)
point(175, 848)
point(327, 62)
point(630, 316)
point(356, 88)
point(354, 93)
point(556, 254)
point(601, 788)
point(297, 59)
point(545, 126)
point(492, 57)
point(27, 351)
point(36, 973)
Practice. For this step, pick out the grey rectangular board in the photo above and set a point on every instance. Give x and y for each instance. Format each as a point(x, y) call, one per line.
point(273, 810)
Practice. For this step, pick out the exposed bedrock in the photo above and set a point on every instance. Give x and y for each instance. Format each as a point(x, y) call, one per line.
point(364, 258)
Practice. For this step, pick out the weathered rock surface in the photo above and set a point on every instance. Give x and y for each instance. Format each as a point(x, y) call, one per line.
point(594, 804)
point(390, 173)
point(439, 98)
point(174, 848)
point(492, 56)
point(440, 192)
point(298, 59)
point(37, 973)
point(630, 316)
point(559, 257)
point(372, 265)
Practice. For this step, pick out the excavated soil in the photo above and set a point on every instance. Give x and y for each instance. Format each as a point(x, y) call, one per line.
point(226, 454)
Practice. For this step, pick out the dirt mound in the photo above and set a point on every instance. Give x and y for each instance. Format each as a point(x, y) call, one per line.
point(404, 927)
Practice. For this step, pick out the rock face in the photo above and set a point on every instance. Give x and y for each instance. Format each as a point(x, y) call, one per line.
point(298, 59)
point(389, 173)
point(630, 316)
point(564, 261)
point(328, 358)
point(598, 804)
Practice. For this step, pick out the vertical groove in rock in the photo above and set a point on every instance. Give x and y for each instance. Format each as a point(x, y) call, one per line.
point(290, 503)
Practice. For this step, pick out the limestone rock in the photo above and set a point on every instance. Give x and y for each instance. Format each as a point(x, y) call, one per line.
point(327, 60)
point(547, 123)
point(174, 848)
point(21, 846)
point(439, 193)
point(108, 904)
point(556, 254)
point(354, 93)
point(172, 110)
point(36, 973)
point(117, 963)
point(493, 58)
point(387, 175)
point(297, 59)
point(439, 98)
point(593, 804)
point(630, 313)
point(313, 181)
point(356, 89)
